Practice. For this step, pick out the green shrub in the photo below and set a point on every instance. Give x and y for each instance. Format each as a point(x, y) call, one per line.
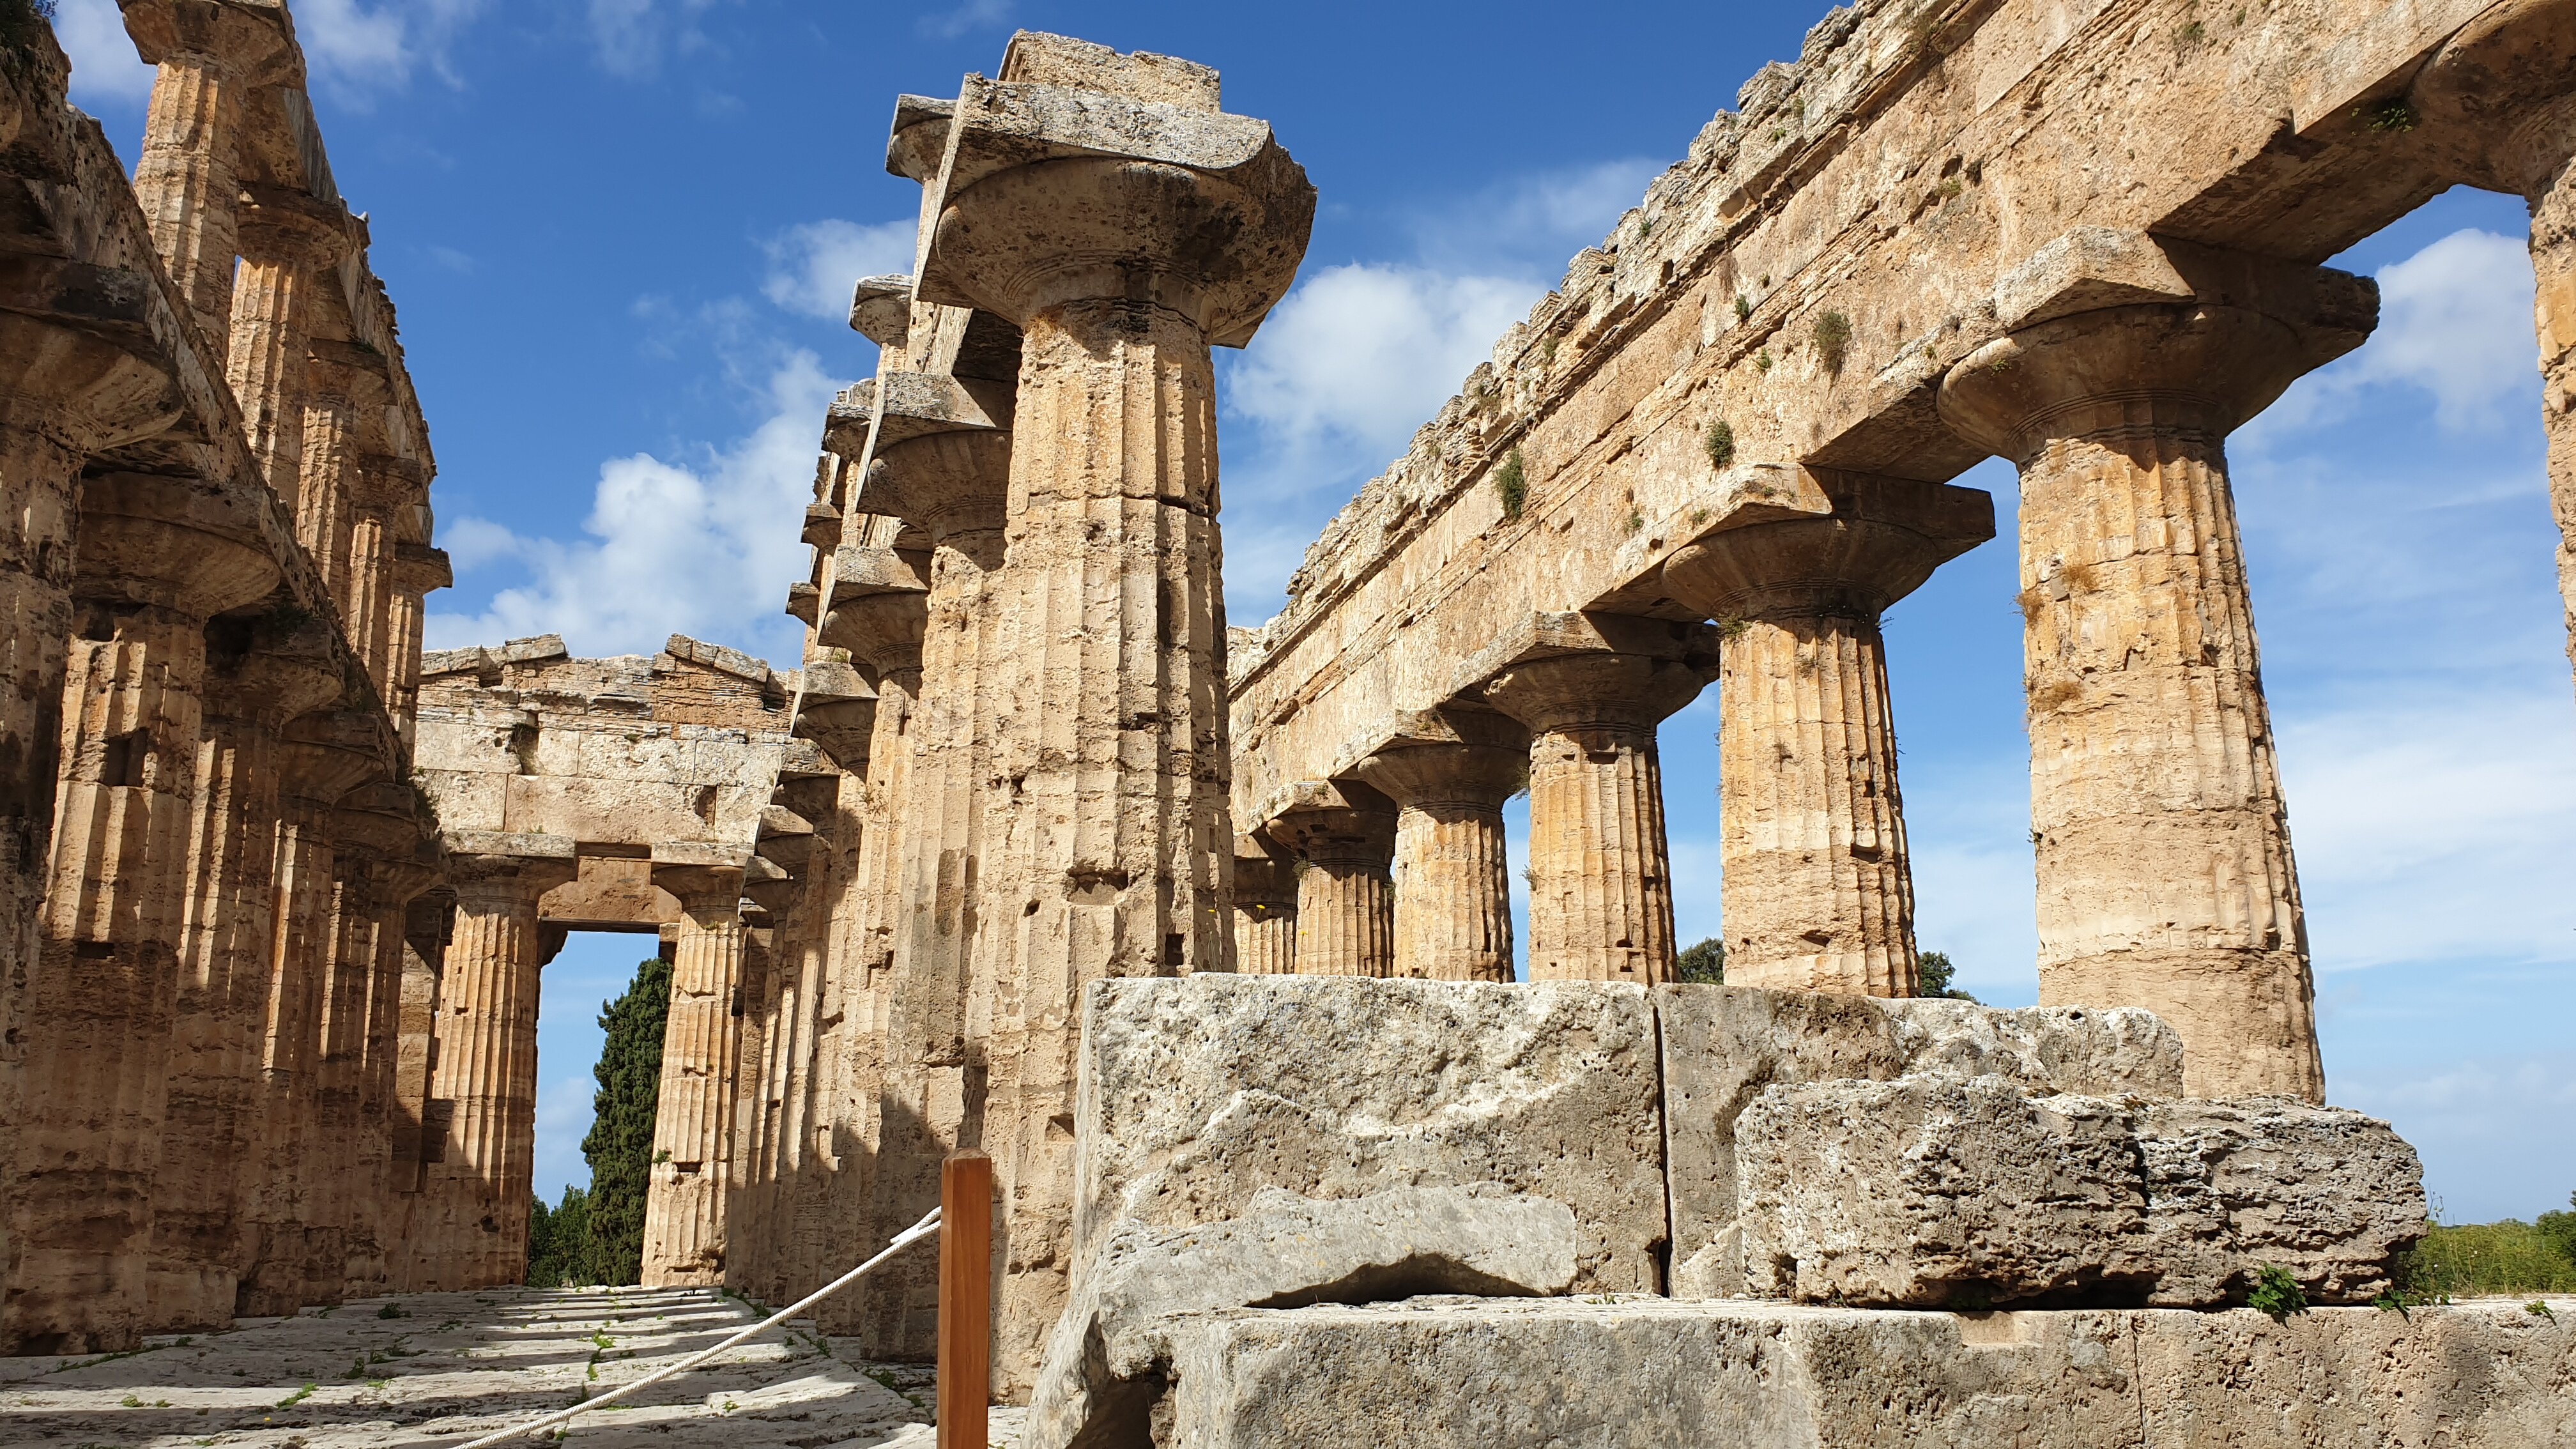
point(2276, 1293)
point(2484, 1258)
point(1703, 964)
point(1833, 341)
point(1720, 443)
point(1511, 485)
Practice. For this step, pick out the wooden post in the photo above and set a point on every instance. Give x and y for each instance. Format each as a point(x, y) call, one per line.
point(965, 1300)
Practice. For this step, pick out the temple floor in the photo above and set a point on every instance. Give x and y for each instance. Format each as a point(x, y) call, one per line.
point(442, 1368)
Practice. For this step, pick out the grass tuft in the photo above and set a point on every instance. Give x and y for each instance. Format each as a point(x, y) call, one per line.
point(1511, 486)
point(1833, 341)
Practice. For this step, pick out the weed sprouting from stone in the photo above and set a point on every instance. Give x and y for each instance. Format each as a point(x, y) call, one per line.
point(1743, 307)
point(1833, 341)
point(1720, 443)
point(2391, 117)
point(1511, 486)
point(2277, 1294)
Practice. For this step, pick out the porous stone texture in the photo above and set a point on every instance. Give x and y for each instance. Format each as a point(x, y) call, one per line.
point(1199, 1093)
point(1644, 1374)
point(1103, 1362)
point(1724, 1045)
point(1939, 1191)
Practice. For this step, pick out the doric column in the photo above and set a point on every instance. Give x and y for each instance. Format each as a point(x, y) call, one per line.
point(343, 391)
point(2501, 95)
point(942, 464)
point(395, 881)
point(1265, 909)
point(288, 242)
point(426, 926)
point(380, 487)
point(474, 1218)
point(62, 389)
point(2161, 840)
point(1600, 873)
point(1819, 893)
point(1449, 773)
point(684, 1212)
point(880, 618)
point(1110, 851)
point(212, 55)
point(287, 1163)
point(418, 571)
point(374, 840)
point(1343, 836)
point(157, 558)
point(259, 677)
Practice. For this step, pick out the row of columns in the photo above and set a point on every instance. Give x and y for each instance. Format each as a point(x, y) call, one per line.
point(209, 855)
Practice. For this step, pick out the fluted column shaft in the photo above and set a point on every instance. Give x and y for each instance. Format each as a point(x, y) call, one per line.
point(693, 1136)
point(331, 1204)
point(185, 180)
point(2161, 838)
point(1819, 890)
point(100, 1003)
point(330, 442)
point(1265, 915)
point(1345, 896)
point(286, 242)
point(1452, 873)
point(486, 1068)
point(2544, 152)
point(285, 1132)
point(216, 1109)
point(373, 1219)
point(1600, 872)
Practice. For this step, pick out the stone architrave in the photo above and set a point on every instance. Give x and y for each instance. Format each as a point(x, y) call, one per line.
point(288, 243)
point(215, 1097)
point(1819, 892)
point(1265, 909)
point(1601, 889)
point(2502, 92)
point(693, 1126)
point(475, 1198)
point(158, 557)
point(1108, 208)
point(1343, 836)
point(2162, 841)
point(1449, 774)
point(212, 55)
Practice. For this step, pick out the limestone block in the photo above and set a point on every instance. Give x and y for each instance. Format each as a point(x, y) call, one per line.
point(1947, 1191)
point(1722, 1045)
point(1107, 1354)
point(1542, 1373)
point(1196, 1093)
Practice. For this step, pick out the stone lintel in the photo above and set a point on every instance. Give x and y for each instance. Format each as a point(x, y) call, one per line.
point(881, 309)
point(552, 848)
point(2094, 268)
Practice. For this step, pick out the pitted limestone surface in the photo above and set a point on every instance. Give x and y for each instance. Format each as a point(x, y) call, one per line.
point(441, 1368)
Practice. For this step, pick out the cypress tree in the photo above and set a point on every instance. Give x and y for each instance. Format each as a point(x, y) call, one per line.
point(620, 1144)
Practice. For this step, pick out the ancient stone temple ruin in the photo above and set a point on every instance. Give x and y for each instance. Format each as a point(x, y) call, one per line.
point(1203, 933)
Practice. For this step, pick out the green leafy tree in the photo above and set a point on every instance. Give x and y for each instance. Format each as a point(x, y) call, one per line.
point(2560, 1230)
point(620, 1144)
point(1703, 964)
point(559, 1240)
point(1936, 972)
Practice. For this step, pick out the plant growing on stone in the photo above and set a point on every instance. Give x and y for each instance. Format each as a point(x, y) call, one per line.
point(1511, 485)
point(1720, 443)
point(1833, 341)
point(2277, 1294)
point(2393, 116)
point(1762, 360)
point(1743, 307)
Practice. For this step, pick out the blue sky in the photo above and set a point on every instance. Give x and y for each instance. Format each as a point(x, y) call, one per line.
point(621, 233)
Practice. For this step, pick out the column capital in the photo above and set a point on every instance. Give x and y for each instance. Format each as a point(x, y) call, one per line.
point(1479, 775)
point(837, 711)
point(493, 873)
point(1884, 538)
point(282, 224)
point(1262, 876)
point(419, 570)
point(269, 668)
point(1335, 822)
point(1577, 691)
point(2240, 330)
point(250, 38)
point(881, 310)
point(326, 754)
point(879, 607)
point(703, 890)
point(943, 453)
point(80, 343)
point(180, 543)
point(1083, 176)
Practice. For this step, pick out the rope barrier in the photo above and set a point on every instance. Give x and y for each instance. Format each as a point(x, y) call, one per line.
point(928, 1225)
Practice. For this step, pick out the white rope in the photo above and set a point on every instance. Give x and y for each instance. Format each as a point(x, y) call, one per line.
point(902, 1240)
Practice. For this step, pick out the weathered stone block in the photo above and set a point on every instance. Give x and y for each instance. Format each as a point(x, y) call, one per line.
point(1937, 1191)
point(1723, 1045)
point(1108, 1357)
point(1199, 1092)
point(1537, 1374)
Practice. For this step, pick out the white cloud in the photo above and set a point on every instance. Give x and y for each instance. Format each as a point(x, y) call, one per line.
point(631, 36)
point(2455, 320)
point(706, 550)
point(1532, 223)
point(105, 68)
point(971, 15)
point(813, 266)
